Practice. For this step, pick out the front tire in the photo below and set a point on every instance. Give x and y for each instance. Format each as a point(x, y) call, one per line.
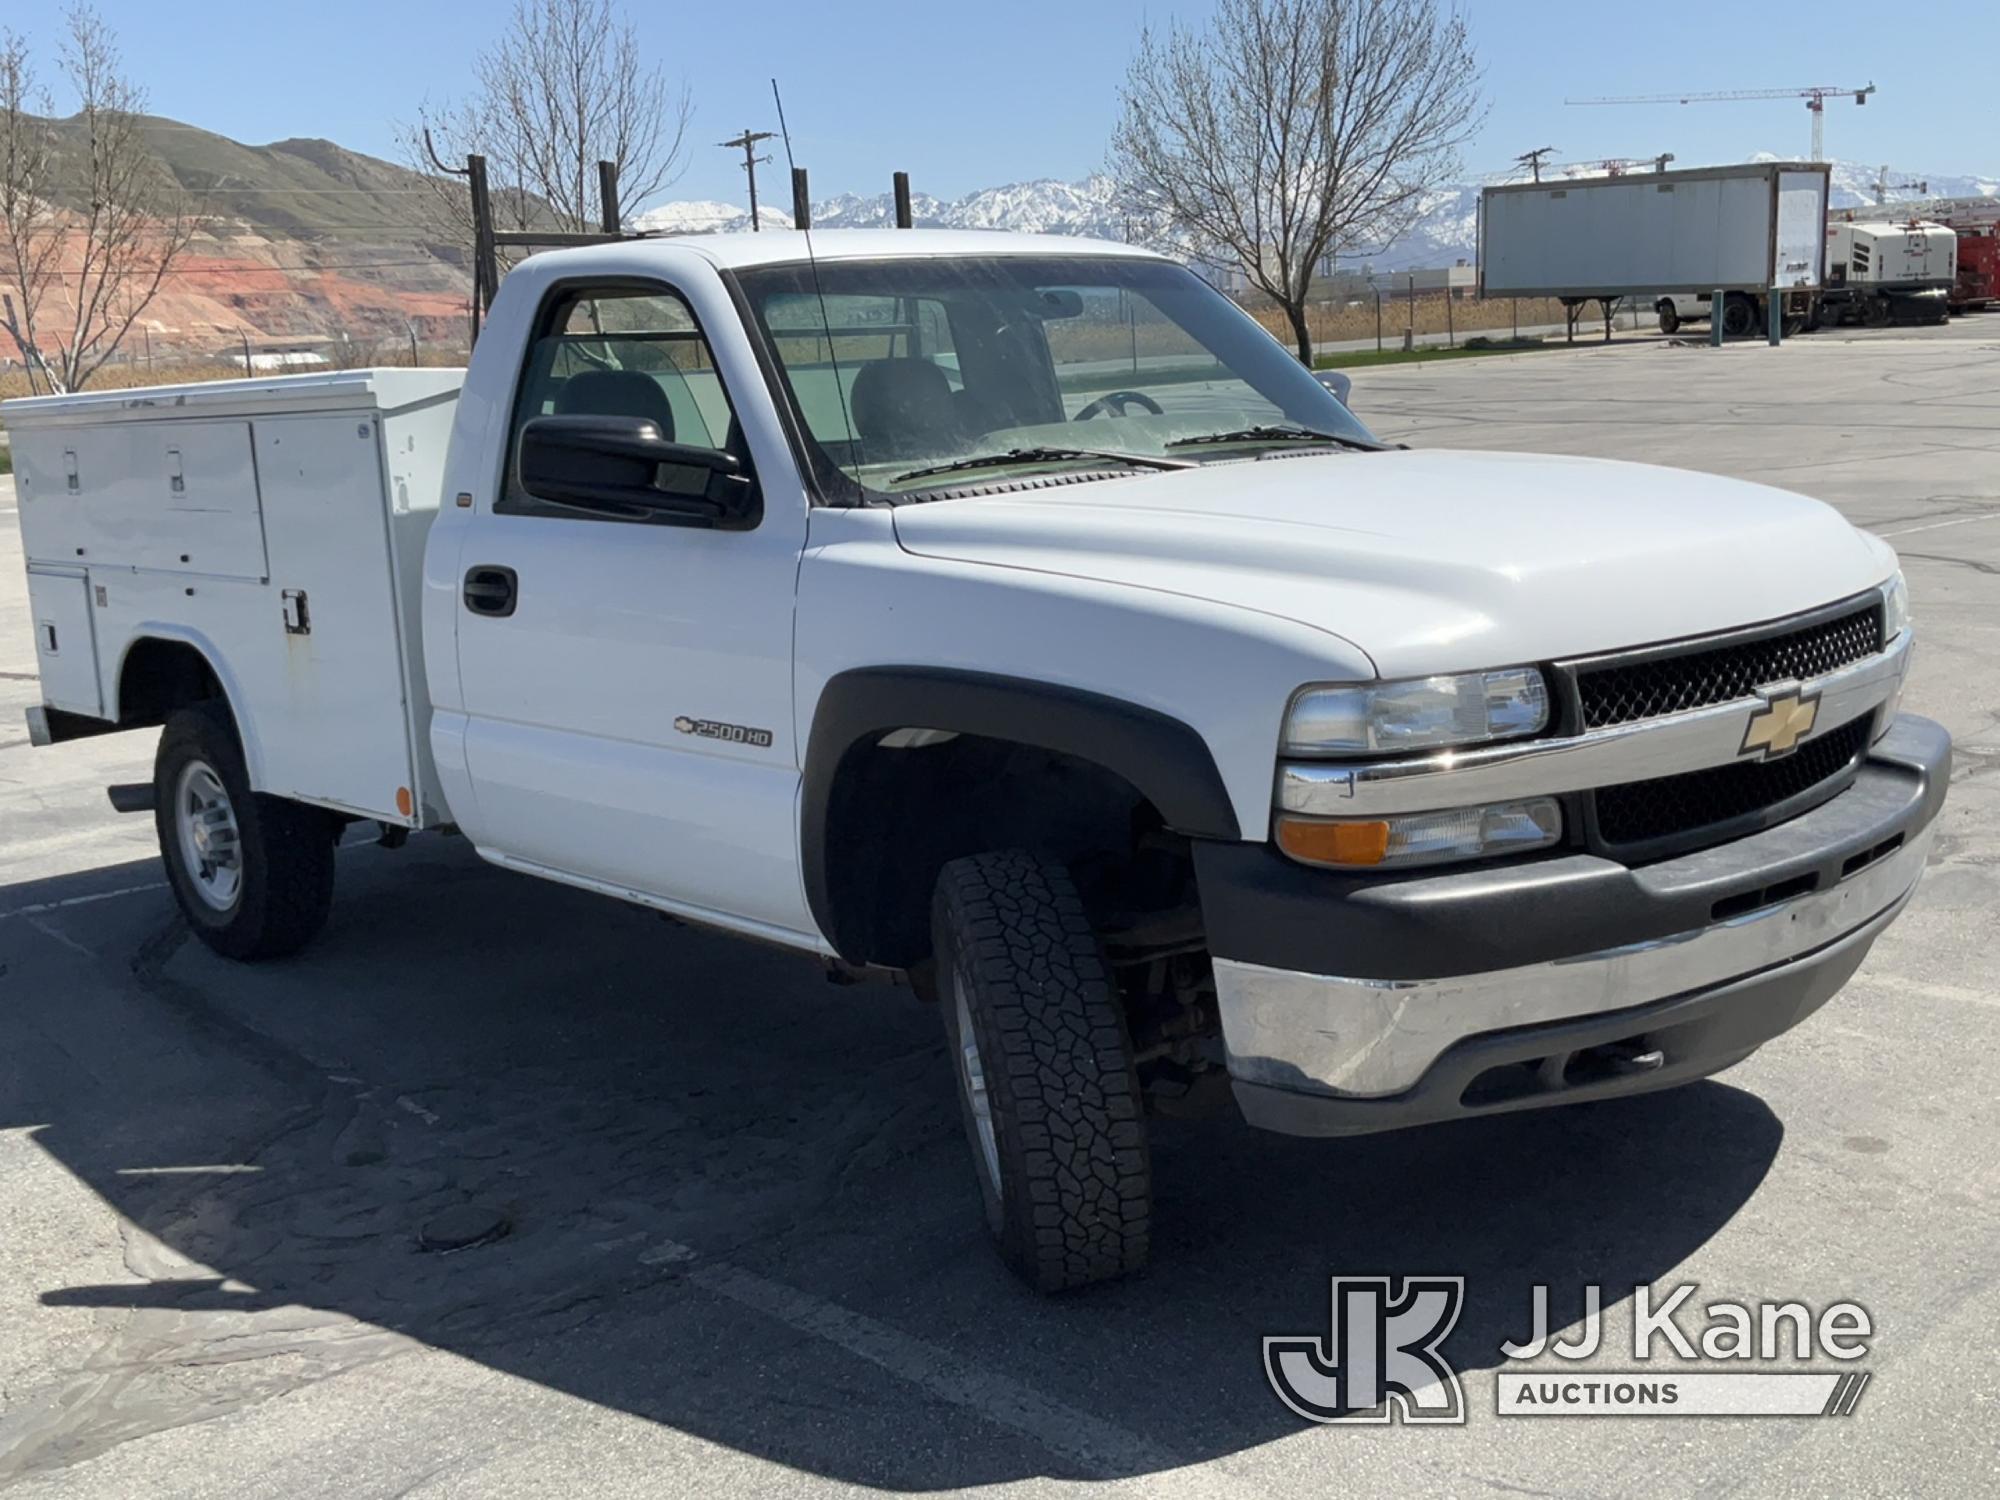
point(253, 874)
point(1670, 318)
point(1046, 1081)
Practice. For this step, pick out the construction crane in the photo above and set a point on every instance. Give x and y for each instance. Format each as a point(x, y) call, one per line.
point(1884, 187)
point(1618, 166)
point(1815, 96)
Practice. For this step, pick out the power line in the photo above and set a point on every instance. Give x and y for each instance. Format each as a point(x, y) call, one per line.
point(747, 143)
point(218, 187)
point(1533, 159)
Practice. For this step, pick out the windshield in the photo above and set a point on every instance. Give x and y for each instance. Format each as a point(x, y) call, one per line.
point(903, 370)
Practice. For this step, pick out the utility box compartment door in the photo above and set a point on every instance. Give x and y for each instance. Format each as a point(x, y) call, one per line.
point(176, 496)
point(328, 694)
point(65, 642)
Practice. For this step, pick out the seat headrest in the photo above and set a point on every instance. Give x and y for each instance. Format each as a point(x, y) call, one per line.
point(616, 393)
point(903, 408)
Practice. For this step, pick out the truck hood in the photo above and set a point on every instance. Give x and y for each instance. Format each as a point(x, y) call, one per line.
point(1437, 561)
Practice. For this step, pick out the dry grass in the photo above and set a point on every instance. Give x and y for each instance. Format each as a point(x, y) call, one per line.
point(128, 376)
point(1338, 323)
point(124, 377)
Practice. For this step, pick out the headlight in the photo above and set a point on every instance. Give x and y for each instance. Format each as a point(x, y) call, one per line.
point(1895, 620)
point(1424, 713)
point(1426, 838)
point(1895, 607)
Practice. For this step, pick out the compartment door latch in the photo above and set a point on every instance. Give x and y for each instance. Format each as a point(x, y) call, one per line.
point(298, 619)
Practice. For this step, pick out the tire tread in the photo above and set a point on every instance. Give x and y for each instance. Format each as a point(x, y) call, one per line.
point(1064, 1091)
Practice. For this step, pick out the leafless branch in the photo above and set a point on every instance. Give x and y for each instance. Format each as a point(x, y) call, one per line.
point(562, 89)
point(30, 237)
point(92, 226)
point(1287, 130)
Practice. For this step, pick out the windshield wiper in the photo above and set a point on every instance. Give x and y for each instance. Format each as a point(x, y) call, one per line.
point(1274, 433)
point(1039, 455)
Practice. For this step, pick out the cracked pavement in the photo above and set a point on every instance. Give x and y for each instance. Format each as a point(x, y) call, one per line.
point(742, 1249)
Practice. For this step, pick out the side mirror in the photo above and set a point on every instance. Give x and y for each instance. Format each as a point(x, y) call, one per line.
point(1336, 383)
point(622, 466)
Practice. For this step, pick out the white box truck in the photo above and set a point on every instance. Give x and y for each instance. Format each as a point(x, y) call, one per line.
point(1178, 738)
point(1742, 230)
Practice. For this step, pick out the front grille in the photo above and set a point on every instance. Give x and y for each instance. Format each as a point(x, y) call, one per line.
point(1678, 807)
point(1618, 692)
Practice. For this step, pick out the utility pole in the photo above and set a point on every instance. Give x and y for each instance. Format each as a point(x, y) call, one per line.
point(1532, 160)
point(747, 144)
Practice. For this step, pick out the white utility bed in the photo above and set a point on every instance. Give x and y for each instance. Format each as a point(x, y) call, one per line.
point(275, 525)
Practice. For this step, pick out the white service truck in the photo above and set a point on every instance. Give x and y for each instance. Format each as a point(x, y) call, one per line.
point(1013, 616)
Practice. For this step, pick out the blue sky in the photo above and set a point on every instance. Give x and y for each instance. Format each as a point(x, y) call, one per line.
point(973, 95)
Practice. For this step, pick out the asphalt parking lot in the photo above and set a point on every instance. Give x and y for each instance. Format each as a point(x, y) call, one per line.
point(743, 1251)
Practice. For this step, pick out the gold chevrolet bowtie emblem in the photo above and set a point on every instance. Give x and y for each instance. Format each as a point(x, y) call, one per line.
point(1777, 727)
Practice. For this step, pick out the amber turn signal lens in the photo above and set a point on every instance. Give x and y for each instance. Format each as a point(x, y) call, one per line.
point(1345, 843)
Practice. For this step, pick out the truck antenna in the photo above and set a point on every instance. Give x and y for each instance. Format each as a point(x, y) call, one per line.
point(819, 292)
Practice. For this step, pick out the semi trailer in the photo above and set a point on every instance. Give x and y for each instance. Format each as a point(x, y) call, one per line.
point(1744, 231)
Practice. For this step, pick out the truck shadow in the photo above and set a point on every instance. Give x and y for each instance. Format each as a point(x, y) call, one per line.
point(734, 1198)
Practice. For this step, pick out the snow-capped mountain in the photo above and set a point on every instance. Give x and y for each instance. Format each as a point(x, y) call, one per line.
point(1447, 231)
point(1045, 206)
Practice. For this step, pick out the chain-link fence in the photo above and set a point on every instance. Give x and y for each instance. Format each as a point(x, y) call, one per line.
point(1385, 320)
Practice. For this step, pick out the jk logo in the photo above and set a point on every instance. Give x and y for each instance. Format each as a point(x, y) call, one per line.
point(1380, 1351)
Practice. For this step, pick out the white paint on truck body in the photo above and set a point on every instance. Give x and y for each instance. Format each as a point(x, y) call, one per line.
point(564, 738)
point(187, 513)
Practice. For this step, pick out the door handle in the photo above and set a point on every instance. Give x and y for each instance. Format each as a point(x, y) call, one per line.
point(490, 590)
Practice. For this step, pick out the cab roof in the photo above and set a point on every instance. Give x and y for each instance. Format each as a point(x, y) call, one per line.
point(783, 246)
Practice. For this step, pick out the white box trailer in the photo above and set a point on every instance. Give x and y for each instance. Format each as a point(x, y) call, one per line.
point(282, 518)
point(1740, 228)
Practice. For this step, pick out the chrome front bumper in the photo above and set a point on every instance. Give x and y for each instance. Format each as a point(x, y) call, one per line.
point(1790, 913)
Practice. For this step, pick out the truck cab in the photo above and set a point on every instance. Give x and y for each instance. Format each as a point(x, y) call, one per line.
point(1014, 619)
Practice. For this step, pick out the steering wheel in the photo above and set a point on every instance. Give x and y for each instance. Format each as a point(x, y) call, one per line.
point(1116, 402)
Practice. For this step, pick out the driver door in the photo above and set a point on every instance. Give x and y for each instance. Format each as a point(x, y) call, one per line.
point(627, 681)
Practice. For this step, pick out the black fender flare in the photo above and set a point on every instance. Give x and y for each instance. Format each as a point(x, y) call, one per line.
point(1164, 758)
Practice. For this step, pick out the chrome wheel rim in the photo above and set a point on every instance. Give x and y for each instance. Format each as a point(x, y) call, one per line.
point(211, 848)
point(972, 1080)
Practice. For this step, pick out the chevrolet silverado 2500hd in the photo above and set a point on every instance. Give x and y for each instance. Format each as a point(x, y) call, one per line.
point(1014, 615)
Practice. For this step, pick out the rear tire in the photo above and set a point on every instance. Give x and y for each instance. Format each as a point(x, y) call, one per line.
point(253, 874)
point(1739, 316)
point(1046, 1082)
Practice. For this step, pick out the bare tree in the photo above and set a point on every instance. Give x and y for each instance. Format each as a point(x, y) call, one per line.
point(563, 89)
point(1285, 130)
point(93, 225)
point(30, 245)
